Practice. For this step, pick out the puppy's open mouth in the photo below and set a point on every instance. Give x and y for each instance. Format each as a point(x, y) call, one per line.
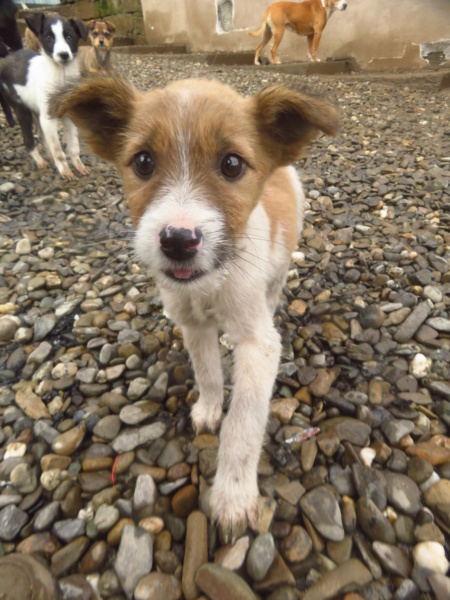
point(184, 275)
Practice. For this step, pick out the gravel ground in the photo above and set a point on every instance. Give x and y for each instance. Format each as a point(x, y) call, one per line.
point(95, 381)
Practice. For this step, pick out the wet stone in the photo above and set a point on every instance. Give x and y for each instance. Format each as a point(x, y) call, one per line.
point(321, 507)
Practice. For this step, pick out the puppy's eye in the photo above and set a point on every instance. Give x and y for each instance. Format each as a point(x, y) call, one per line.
point(94, 33)
point(49, 37)
point(143, 165)
point(233, 166)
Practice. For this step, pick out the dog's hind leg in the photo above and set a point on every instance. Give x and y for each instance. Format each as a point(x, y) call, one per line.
point(277, 37)
point(317, 36)
point(73, 146)
point(265, 40)
point(310, 47)
point(25, 118)
point(201, 341)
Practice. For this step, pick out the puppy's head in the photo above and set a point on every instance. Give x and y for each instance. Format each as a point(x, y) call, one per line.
point(57, 37)
point(336, 4)
point(101, 33)
point(194, 158)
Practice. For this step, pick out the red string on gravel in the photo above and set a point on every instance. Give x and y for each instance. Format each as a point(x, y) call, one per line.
point(114, 469)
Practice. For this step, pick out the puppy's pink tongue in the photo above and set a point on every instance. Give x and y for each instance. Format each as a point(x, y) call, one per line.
point(182, 273)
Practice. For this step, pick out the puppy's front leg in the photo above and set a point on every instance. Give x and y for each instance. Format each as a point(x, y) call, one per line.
point(235, 490)
point(73, 146)
point(203, 346)
point(49, 128)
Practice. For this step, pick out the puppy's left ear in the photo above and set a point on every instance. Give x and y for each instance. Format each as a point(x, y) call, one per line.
point(80, 27)
point(110, 26)
point(288, 120)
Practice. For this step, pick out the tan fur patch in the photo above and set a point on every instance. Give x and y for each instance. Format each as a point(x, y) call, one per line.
point(279, 202)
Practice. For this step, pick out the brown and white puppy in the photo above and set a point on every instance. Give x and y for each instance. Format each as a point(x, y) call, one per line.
point(96, 59)
point(217, 212)
point(304, 18)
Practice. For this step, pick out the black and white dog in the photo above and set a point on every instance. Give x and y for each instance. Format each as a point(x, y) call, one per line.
point(27, 79)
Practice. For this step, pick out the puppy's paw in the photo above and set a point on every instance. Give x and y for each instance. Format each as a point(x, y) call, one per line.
point(206, 416)
point(82, 169)
point(233, 508)
point(67, 174)
point(41, 163)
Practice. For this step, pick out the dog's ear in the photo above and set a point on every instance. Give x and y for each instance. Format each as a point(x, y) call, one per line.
point(34, 22)
point(110, 26)
point(288, 120)
point(80, 27)
point(102, 108)
point(90, 24)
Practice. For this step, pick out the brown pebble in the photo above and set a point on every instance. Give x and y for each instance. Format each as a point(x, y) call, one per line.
point(167, 561)
point(115, 533)
point(43, 543)
point(179, 471)
point(185, 501)
point(163, 541)
point(153, 525)
point(96, 464)
point(54, 461)
point(95, 557)
point(196, 553)
point(72, 503)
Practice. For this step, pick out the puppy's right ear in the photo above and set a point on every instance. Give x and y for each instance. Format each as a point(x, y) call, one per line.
point(102, 108)
point(34, 22)
point(90, 24)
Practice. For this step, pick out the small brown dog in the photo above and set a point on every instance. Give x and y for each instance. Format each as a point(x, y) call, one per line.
point(304, 18)
point(96, 59)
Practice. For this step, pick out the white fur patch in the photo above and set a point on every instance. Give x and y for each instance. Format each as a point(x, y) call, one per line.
point(60, 45)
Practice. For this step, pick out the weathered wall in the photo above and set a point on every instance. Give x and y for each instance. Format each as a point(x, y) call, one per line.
point(367, 30)
point(125, 14)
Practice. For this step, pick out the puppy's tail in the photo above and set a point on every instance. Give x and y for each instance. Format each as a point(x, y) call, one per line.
point(262, 26)
point(7, 110)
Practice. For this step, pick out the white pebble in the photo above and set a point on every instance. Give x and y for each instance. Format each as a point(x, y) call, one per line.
point(428, 483)
point(420, 366)
point(298, 258)
point(15, 450)
point(367, 456)
point(431, 556)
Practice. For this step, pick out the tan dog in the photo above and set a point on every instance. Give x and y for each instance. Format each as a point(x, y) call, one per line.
point(96, 59)
point(217, 213)
point(304, 18)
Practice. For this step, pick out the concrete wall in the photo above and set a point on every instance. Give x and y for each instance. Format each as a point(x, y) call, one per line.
point(369, 30)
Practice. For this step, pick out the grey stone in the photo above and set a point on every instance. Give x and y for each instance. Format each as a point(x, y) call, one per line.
point(321, 507)
point(12, 519)
point(260, 556)
point(134, 557)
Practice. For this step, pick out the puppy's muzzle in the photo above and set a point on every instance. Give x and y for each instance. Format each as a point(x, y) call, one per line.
point(180, 244)
point(64, 57)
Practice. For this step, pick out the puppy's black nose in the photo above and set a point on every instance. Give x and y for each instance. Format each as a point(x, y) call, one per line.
point(180, 244)
point(64, 55)
point(101, 42)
